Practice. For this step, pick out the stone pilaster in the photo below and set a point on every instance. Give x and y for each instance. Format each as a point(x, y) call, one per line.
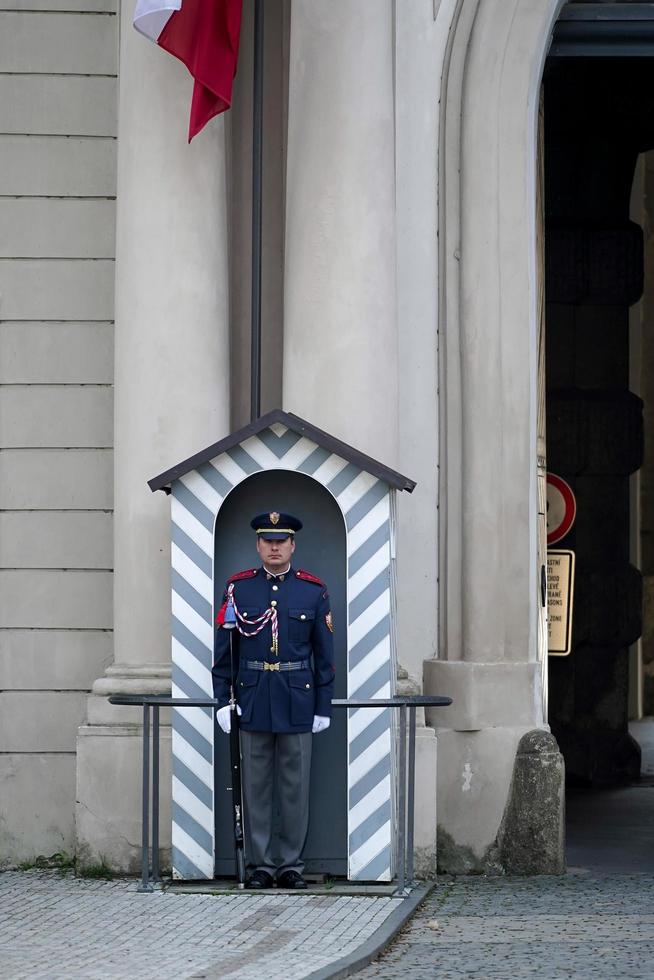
point(340, 319)
point(490, 662)
point(172, 398)
point(341, 338)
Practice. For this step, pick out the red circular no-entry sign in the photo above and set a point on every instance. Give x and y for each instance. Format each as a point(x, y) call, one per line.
point(561, 508)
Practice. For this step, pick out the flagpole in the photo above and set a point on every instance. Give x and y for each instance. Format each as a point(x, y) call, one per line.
point(257, 171)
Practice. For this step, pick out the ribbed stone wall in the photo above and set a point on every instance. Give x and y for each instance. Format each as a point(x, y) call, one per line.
point(58, 65)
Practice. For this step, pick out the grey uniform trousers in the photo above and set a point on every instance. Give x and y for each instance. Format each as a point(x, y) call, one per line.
point(272, 759)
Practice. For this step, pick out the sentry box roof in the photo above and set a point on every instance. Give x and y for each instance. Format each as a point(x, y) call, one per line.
point(296, 426)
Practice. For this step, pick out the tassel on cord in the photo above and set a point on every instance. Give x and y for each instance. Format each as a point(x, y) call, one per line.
point(226, 616)
point(230, 614)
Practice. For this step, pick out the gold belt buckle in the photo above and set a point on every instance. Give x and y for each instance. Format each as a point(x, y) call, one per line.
point(267, 666)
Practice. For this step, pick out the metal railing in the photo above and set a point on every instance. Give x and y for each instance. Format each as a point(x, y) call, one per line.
point(154, 702)
point(150, 873)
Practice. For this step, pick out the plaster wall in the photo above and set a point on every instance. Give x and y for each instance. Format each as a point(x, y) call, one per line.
point(58, 63)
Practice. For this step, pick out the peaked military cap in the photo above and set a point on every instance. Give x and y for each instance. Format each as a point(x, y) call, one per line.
point(275, 526)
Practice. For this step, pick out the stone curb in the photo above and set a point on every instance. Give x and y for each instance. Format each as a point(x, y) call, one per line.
point(380, 939)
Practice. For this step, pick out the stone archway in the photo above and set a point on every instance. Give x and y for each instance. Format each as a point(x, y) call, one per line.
point(489, 657)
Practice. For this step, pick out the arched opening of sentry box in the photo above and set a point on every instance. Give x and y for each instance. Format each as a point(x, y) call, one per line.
point(321, 549)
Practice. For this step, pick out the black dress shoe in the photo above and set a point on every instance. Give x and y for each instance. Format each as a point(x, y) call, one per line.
point(259, 879)
point(290, 879)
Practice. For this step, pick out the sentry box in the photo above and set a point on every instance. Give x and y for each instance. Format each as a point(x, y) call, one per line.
point(347, 503)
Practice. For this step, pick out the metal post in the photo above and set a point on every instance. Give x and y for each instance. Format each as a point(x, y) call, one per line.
point(411, 795)
point(257, 193)
point(155, 793)
point(401, 890)
point(145, 885)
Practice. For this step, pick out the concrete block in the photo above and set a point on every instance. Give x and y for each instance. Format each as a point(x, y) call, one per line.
point(65, 479)
point(58, 43)
point(484, 694)
point(44, 659)
point(76, 416)
point(90, 6)
point(37, 805)
point(40, 721)
point(61, 353)
point(58, 289)
point(425, 839)
point(474, 779)
point(58, 165)
point(55, 599)
point(425, 825)
point(108, 809)
point(65, 105)
point(57, 229)
point(55, 539)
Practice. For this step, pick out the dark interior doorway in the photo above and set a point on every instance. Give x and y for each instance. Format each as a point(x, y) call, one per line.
point(599, 115)
point(599, 120)
point(321, 549)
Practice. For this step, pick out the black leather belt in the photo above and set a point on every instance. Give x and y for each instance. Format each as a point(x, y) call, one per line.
point(289, 665)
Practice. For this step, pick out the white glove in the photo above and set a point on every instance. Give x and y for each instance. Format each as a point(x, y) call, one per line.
point(224, 717)
point(320, 724)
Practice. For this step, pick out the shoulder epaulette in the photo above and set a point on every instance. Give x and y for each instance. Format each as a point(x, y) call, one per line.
point(248, 573)
point(308, 577)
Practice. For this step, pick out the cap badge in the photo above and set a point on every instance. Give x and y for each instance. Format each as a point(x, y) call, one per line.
point(274, 518)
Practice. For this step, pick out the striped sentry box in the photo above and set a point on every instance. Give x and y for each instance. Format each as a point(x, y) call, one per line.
point(366, 500)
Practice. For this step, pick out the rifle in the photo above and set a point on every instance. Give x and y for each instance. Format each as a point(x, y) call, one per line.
point(235, 765)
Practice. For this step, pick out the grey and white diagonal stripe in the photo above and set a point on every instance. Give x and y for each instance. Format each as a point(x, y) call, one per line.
point(364, 502)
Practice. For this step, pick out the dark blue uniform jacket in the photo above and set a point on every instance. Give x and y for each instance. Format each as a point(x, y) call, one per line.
point(279, 701)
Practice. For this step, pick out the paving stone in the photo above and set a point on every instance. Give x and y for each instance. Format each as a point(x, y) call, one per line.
point(579, 926)
point(587, 927)
point(56, 926)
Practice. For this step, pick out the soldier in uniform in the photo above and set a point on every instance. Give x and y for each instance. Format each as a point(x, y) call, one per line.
point(283, 661)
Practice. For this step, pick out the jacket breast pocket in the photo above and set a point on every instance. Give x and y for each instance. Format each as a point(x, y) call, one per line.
point(300, 624)
point(247, 690)
point(303, 698)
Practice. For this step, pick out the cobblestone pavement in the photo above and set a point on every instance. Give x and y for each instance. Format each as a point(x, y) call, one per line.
point(587, 927)
point(54, 925)
point(581, 926)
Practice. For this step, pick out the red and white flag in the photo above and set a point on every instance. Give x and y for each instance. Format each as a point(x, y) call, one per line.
point(204, 34)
